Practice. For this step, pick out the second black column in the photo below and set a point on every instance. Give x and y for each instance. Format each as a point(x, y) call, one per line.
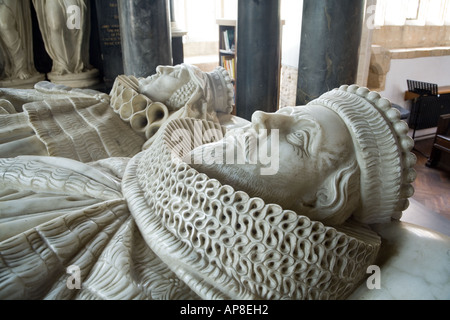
point(258, 57)
point(330, 41)
point(146, 36)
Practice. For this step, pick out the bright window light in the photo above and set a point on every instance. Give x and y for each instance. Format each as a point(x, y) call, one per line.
point(412, 12)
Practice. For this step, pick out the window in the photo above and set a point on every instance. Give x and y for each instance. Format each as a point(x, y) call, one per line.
point(198, 17)
point(412, 12)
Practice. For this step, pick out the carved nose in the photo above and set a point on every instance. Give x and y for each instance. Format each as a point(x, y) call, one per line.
point(164, 69)
point(261, 120)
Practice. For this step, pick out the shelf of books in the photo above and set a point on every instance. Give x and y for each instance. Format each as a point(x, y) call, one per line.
point(227, 46)
point(229, 63)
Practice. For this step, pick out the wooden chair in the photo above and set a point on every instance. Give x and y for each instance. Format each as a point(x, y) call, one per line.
point(441, 140)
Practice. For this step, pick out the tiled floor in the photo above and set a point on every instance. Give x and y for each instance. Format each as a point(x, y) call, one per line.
point(432, 186)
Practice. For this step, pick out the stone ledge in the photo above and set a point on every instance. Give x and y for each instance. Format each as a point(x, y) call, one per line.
point(412, 53)
point(381, 57)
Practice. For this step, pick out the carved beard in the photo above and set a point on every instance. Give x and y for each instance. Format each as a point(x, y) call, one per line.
point(239, 177)
point(182, 96)
point(245, 177)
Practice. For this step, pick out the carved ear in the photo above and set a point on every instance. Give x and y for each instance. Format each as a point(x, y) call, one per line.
point(312, 203)
point(338, 196)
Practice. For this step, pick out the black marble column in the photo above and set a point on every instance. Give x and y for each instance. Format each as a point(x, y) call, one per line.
point(110, 43)
point(146, 36)
point(172, 11)
point(329, 49)
point(258, 57)
point(177, 37)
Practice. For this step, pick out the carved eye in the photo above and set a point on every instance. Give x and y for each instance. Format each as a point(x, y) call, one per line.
point(296, 138)
point(300, 140)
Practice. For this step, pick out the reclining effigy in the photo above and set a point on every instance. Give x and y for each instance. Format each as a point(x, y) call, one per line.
point(298, 204)
point(86, 125)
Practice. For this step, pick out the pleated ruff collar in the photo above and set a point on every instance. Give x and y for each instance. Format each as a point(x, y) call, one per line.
point(226, 245)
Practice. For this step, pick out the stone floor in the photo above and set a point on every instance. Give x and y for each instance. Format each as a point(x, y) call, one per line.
point(432, 186)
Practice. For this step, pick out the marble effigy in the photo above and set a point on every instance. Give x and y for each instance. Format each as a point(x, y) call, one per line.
point(87, 125)
point(183, 220)
point(137, 109)
point(229, 245)
point(68, 123)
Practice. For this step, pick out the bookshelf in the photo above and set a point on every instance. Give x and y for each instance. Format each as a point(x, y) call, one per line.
point(227, 49)
point(227, 46)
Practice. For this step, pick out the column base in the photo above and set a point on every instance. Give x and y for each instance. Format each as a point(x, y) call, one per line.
point(22, 83)
point(76, 80)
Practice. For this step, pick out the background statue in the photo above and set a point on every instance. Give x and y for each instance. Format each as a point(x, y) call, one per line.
point(16, 43)
point(65, 27)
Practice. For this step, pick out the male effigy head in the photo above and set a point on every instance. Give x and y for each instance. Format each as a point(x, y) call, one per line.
point(345, 154)
point(382, 148)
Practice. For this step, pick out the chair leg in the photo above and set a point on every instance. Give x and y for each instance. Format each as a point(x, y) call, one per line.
point(434, 157)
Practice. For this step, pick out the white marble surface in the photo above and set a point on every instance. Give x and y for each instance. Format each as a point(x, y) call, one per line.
point(418, 214)
point(414, 258)
point(414, 264)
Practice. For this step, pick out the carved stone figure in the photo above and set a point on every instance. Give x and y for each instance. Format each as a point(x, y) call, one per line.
point(183, 85)
point(189, 217)
point(16, 44)
point(65, 28)
point(87, 125)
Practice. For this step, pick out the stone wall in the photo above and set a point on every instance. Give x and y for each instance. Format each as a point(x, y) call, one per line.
point(394, 37)
point(288, 86)
point(404, 42)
